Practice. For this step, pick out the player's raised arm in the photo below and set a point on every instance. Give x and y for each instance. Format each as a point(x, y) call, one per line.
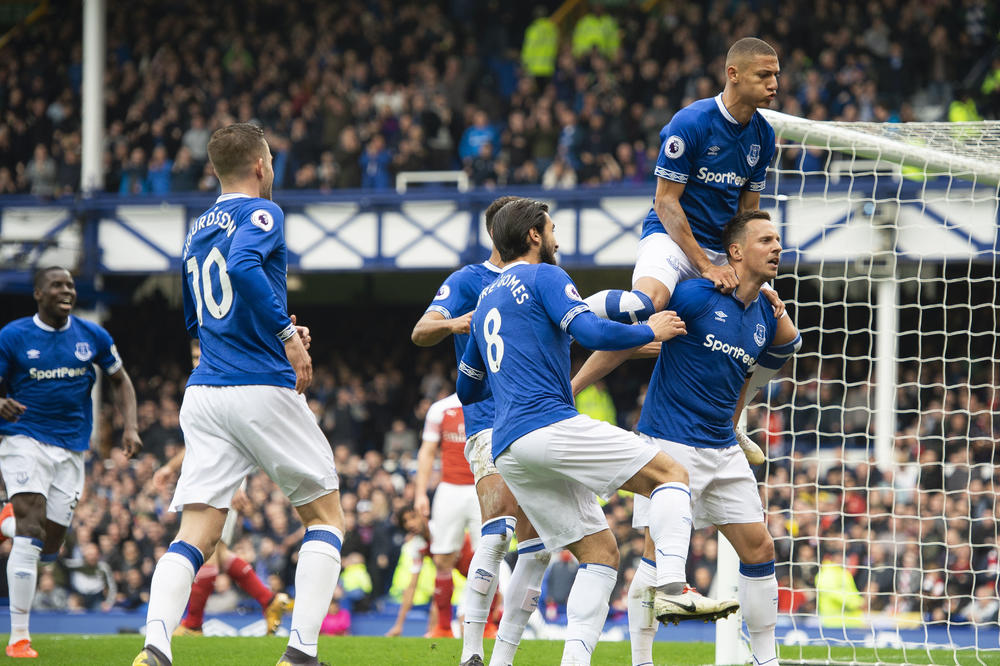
point(433, 327)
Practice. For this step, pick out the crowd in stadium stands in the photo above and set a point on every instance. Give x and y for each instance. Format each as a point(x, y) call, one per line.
point(850, 539)
point(355, 92)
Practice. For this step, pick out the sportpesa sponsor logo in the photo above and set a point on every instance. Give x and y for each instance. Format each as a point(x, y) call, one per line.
point(729, 177)
point(56, 373)
point(737, 353)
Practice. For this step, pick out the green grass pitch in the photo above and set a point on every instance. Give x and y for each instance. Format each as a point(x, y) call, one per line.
point(65, 650)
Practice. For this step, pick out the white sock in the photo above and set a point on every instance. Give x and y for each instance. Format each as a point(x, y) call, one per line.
point(670, 529)
point(626, 307)
point(22, 574)
point(316, 578)
point(641, 623)
point(169, 592)
point(7, 527)
point(586, 611)
point(758, 597)
point(482, 582)
point(521, 599)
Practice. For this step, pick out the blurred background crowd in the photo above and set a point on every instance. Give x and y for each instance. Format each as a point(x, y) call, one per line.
point(355, 92)
point(915, 541)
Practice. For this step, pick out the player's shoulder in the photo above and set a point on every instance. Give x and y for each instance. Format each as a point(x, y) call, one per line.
point(545, 271)
point(444, 404)
point(695, 286)
point(18, 325)
point(761, 124)
point(763, 304)
point(262, 213)
point(697, 112)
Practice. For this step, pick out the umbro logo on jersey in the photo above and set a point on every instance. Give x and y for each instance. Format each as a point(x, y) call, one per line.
point(33, 354)
point(720, 316)
point(713, 151)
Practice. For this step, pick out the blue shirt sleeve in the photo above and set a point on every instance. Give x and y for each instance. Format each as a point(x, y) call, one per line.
point(6, 357)
point(595, 333)
point(253, 242)
point(681, 144)
point(190, 314)
point(558, 295)
point(471, 384)
point(450, 297)
point(107, 353)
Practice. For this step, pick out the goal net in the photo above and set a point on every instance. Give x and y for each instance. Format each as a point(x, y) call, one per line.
point(882, 476)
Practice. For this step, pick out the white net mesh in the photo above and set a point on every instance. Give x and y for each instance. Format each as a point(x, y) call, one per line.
point(881, 486)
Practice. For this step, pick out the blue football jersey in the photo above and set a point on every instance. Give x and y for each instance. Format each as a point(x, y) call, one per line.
point(458, 295)
point(519, 329)
point(717, 158)
point(698, 377)
point(235, 299)
point(51, 373)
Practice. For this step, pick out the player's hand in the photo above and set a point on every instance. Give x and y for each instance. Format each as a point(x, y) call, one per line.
point(666, 325)
point(394, 630)
point(723, 277)
point(11, 409)
point(299, 358)
point(131, 443)
point(303, 332)
point(162, 477)
point(422, 504)
point(776, 302)
point(240, 502)
point(460, 325)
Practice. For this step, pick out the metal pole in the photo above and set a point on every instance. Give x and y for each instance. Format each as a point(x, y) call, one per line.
point(92, 114)
point(885, 370)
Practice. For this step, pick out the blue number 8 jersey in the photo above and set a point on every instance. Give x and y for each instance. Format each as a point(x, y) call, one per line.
point(235, 264)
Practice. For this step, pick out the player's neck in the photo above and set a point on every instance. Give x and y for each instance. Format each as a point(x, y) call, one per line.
point(747, 290)
point(740, 111)
point(250, 188)
point(495, 259)
point(51, 320)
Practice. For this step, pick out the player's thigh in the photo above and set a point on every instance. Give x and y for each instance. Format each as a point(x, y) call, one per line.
point(699, 464)
point(275, 427)
point(593, 453)
point(449, 517)
point(66, 487)
point(562, 510)
point(660, 258)
point(214, 464)
point(732, 496)
point(26, 466)
point(479, 454)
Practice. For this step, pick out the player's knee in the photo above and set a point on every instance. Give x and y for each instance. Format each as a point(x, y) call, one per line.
point(625, 307)
point(761, 550)
point(674, 472)
point(30, 527)
point(542, 557)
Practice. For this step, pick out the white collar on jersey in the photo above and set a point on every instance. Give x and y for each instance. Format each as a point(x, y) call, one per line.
point(493, 267)
point(516, 263)
point(45, 327)
point(725, 112)
point(232, 195)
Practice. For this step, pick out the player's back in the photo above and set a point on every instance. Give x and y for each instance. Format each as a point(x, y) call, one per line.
point(457, 296)
point(239, 239)
point(698, 376)
point(445, 423)
point(519, 327)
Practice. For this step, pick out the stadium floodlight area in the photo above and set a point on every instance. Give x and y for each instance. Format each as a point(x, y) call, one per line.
point(881, 488)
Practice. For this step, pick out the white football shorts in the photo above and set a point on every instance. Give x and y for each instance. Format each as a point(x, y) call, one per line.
point(723, 489)
point(557, 472)
point(455, 509)
point(231, 431)
point(659, 257)
point(30, 466)
point(479, 453)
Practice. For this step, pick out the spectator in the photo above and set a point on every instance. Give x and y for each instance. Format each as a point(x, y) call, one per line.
point(184, 172)
point(41, 173)
point(375, 165)
point(92, 579)
point(158, 173)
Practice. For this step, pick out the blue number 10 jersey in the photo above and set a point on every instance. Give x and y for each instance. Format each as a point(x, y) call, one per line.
point(234, 264)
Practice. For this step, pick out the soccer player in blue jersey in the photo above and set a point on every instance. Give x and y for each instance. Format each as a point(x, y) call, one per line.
point(712, 164)
point(47, 362)
point(554, 459)
point(699, 383)
point(449, 314)
point(243, 407)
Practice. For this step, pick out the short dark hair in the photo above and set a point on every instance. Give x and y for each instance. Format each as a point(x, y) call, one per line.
point(40, 274)
point(234, 149)
point(512, 223)
point(749, 47)
point(401, 514)
point(736, 228)
point(493, 208)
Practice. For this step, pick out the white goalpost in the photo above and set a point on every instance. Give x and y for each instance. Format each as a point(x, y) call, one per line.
point(881, 484)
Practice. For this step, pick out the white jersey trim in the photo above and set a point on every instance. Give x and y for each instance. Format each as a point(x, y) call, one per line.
point(725, 112)
point(440, 308)
point(757, 187)
point(675, 176)
point(45, 327)
point(492, 267)
point(232, 195)
point(571, 315)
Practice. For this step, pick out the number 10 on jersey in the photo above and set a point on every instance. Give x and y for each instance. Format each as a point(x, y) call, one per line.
point(201, 286)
